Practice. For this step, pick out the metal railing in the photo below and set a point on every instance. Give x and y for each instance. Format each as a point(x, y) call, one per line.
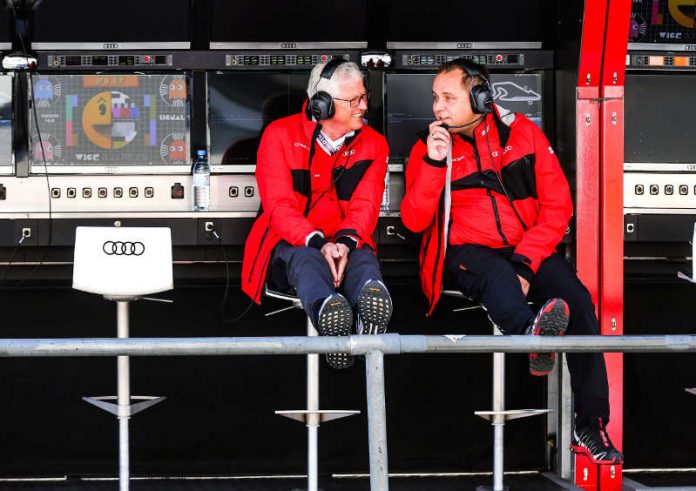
point(373, 347)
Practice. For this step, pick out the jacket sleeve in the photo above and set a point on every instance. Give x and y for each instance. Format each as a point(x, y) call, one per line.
point(278, 199)
point(555, 207)
point(425, 180)
point(362, 212)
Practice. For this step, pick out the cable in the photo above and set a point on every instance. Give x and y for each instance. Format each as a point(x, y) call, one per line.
point(48, 186)
point(43, 155)
point(225, 295)
point(12, 255)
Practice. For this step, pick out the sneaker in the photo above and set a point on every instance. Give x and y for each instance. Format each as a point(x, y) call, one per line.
point(336, 319)
point(374, 308)
point(552, 320)
point(596, 444)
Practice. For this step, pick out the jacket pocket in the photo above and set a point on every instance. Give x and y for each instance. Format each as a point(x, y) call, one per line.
point(519, 179)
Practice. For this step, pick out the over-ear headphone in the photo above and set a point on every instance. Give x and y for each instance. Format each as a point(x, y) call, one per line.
point(321, 104)
point(481, 95)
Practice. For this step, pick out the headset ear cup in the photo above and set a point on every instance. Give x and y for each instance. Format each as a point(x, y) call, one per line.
point(481, 99)
point(321, 106)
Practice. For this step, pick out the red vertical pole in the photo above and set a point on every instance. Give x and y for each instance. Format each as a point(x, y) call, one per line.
point(611, 299)
point(587, 182)
point(599, 217)
point(587, 125)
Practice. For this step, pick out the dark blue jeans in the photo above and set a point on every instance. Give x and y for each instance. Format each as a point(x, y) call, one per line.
point(306, 270)
point(487, 276)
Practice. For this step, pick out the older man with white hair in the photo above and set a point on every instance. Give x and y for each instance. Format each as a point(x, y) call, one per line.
point(321, 178)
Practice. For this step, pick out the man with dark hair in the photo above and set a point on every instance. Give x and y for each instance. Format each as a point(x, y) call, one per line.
point(321, 179)
point(487, 191)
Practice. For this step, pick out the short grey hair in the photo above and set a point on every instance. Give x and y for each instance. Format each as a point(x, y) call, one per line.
point(347, 70)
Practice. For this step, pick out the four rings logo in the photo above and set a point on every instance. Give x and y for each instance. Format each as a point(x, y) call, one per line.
point(288, 45)
point(465, 45)
point(118, 248)
point(110, 46)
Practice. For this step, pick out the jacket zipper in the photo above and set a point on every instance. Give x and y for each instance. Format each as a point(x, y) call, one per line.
point(490, 195)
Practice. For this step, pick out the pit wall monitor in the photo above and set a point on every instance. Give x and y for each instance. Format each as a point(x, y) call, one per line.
point(240, 106)
point(6, 155)
point(5, 28)
point(126, 24)
point(279, 24)
point(663, 25)
point(659, 147)
point(109, 124)
point(459, 25)
point(408, 105)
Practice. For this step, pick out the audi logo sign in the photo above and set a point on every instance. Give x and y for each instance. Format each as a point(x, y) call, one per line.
point(123, 261)
point(119, 248)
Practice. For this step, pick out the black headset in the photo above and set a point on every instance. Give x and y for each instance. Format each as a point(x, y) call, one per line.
point(481, 95)
point(321, 104)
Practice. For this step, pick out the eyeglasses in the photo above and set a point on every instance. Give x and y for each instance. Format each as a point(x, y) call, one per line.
point(355, 101)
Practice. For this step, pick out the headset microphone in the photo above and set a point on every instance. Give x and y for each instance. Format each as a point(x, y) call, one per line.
point(455, 126)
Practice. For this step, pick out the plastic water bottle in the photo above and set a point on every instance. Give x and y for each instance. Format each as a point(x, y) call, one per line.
point(201, 181)
point(386, 197)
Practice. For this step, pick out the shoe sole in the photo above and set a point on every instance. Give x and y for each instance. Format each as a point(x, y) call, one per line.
point(582, 450)
point(374, 308)
point(336, 319)
point(552, 322)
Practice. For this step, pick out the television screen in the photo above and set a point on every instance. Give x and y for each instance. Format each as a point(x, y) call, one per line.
point(5, 123)
point(280, 20)
point(660, 121)
point(110, 123)
point(87, 24)
point(408, 105)
point(241, 105)
point(662, 22)
point(489, 21)
point(5, 26)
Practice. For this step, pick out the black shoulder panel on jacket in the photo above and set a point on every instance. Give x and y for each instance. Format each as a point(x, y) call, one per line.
point(347, 180)
point(300, 181)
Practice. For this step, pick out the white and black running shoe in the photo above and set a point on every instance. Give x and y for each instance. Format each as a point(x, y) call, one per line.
point(336, 319)
point(596, 444)
point(374, 308)
point(552, 320)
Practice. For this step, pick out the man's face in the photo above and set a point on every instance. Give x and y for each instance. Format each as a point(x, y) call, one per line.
point(451, 103)
point(349, 115)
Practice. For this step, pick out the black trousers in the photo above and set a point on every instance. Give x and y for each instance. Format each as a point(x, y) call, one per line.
point(306, 270)
point(487, 276)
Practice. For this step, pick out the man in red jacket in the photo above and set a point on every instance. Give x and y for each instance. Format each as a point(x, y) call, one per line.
point(486, 189)
point(321, 178)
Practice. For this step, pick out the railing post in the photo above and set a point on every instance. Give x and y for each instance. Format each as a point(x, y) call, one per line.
point(377, 421)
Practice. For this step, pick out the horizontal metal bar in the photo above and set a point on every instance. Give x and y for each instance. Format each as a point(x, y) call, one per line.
point(357, 345)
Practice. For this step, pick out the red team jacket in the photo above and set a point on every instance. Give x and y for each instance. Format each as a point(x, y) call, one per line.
point(508, 190)
point(345, 189)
